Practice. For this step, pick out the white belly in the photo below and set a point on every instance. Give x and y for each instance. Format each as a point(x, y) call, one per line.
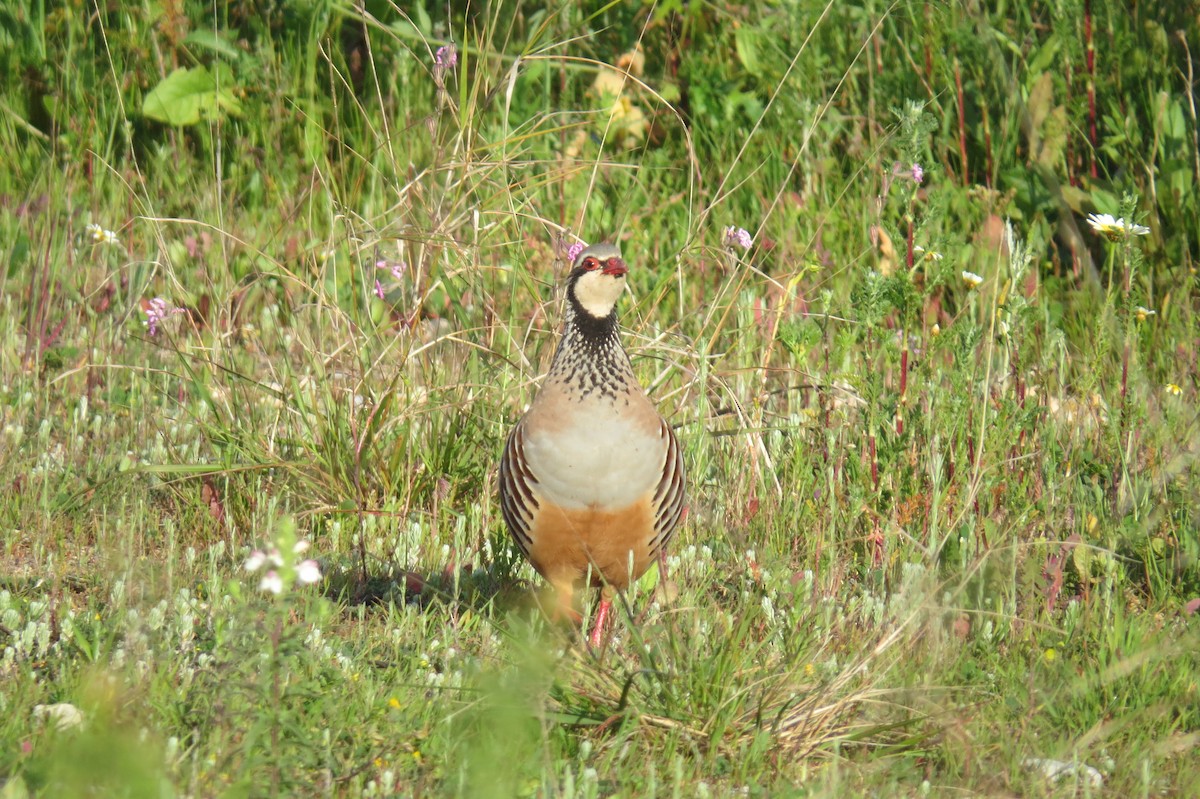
point(609, 463)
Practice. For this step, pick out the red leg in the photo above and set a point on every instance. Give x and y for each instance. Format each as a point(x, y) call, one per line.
point(597, 635)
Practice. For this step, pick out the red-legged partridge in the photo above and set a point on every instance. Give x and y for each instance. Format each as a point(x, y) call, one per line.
point(591, 480)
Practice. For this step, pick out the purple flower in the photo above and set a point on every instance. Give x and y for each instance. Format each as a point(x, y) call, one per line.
point(443, 61)
point(378, 289)
point(397, 269)
point(157, 310)
point(739, 237)
point(574, 250)
point(918, 174)
point(446, 56)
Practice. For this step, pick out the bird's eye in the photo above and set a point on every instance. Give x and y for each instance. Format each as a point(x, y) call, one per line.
point(590, 263)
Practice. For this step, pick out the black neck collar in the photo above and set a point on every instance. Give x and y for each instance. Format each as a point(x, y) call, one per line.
point(589, 327)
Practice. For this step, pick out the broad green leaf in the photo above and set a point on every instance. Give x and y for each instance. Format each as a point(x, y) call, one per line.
point(315, 138)
point(214, 42)
point(188, 95)
point(1174, 125)
point(746, 40)
point(1105, 201)
point(1053, 137)
point(1046, 55)
point(1076, 199)
point(1041, 100)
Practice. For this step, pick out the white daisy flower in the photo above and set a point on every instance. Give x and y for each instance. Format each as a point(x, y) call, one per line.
point(1115, 228)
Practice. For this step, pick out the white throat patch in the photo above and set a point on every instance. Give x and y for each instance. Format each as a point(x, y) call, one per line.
point(598, 293)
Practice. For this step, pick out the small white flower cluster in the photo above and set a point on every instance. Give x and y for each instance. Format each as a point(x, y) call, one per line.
point(691, 561)
point(30, 638)
point(317, 643)
point(384, 786)
point(305, 572)
point(435, 666)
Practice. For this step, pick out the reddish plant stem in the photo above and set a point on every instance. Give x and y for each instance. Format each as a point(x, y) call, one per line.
point(1072, 175)
point(877, 544)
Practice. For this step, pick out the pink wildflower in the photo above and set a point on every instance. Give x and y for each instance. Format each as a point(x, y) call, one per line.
point(157, 310)
point(443, 61)
point(308, 572)
point(397, 269)
point(740, 237)
point(446, 56)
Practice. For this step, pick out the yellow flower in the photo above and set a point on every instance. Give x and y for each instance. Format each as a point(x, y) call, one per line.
point(1143, 314)
point(809, 669)
point(1049, 655)
point(1173, 389)
point(971, 280)
point(936, 330)
point(394, 703)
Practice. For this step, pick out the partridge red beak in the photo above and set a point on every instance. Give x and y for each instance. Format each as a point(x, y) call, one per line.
point(615, 267)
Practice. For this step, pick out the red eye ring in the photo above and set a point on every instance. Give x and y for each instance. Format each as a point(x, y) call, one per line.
point(590, 263)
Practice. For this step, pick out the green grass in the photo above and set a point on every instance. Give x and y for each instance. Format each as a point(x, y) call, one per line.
point(935, 530)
